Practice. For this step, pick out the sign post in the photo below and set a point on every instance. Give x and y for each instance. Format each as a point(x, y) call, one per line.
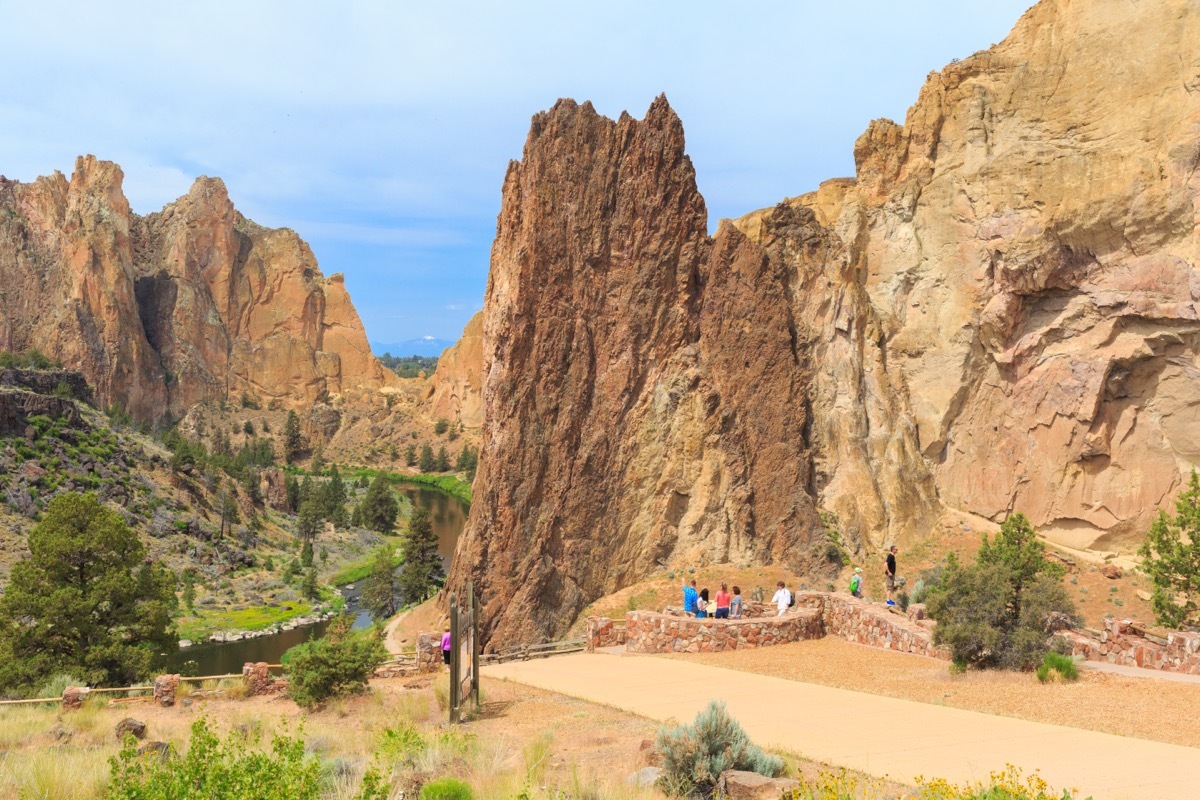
point(464, 653)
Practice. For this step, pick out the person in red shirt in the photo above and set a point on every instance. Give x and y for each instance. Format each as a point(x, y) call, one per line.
point(722, 602)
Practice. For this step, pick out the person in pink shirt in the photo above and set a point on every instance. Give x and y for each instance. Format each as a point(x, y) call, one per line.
point(446, 647)
point(722, 602)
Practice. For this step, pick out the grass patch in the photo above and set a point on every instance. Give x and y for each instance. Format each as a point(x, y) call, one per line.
point(356, 571)
point(203, 623)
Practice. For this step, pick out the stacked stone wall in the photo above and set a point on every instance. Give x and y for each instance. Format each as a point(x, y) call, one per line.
point(651, 632)
point(604, 632)
point(429, 652)
point(1127, 643)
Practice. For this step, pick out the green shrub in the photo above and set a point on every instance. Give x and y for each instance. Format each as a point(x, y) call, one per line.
point(216, 768)
point(1058, 663)
point(336, 665)
point(1002, 610)
point(446, 789)
point(694, 756)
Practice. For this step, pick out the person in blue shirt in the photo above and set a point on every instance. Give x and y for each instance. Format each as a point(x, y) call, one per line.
point(689, 598)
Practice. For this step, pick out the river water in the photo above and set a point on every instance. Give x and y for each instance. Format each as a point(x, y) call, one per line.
point(449, 517)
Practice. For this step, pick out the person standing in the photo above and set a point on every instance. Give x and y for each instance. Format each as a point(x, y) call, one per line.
point(446, 647)
point(702, 605)
point(689, 598)
point(735, 604)
point(782, 599)
point(889, 574)
point(722, 602)
point(856, 582)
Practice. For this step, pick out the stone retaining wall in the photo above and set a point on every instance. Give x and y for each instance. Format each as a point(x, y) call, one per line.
point(429, 652)
point(603, 632)
point(651, 632)
point(1124, 642)
point(816, 614)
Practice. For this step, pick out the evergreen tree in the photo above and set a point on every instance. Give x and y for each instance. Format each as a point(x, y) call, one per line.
point(427, 462)
point(292, 486)
point(317, 465)
point(308, 523)
point(227, 507)
point(248, 428)
point(306, 554)
point(1171, 557)
point(292, 444)
point(337, 488)
point(379, 506)
point(82, 602)
point(443, 460)
point(379, 589)
point(422, 572)
point(189, 591)
point(410, 455)
point(356, 519)
point(309, 588)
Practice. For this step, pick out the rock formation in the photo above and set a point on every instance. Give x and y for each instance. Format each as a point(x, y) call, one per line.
point(999, 312)
point(1007, 292)
point(456, 387)
point(638, 378)
point(191, 303)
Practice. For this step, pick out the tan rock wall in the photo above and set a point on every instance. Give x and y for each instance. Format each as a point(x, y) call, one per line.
point(456, 387)
point(187, 304)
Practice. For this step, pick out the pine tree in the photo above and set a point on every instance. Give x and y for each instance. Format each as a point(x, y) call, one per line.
point(427, 462)
point(83, 602)
point(379, 589)
point(410, 455)
point(306, 554)
point(309, 588)
point(422, 571)
point(443, 460)
point(292, 444)
point(1171, 557)
point(292, 486)
point(308, 523)
point(379, 506)
point(317, 465)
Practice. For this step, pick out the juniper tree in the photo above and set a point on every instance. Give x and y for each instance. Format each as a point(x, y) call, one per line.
point(379, 588)
point(1171, 557)
point(422, 572)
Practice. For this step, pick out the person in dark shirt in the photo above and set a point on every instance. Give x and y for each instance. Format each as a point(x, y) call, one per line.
point(889, 574)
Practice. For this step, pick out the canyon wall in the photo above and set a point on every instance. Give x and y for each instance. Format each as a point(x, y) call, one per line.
point(997, 313)
point(191, 303)
point(1008, 289)
point(456, 387)
point(637, 378)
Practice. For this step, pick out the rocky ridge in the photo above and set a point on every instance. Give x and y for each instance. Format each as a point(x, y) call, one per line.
point(999, 312)
point(191, 303)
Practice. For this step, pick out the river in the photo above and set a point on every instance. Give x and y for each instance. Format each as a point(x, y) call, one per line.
point(449, 517)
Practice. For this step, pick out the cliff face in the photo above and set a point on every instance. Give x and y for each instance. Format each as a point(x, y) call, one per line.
point(635, 378)
point(191, 303)
point(999, 312)
point(456, 387)
point(1009, 287)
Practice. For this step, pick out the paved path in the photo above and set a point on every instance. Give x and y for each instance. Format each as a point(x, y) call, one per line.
point(883, 736)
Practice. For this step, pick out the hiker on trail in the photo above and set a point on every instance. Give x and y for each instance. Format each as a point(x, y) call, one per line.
point(722, 602)
point(702, 605)
point(856, 582)
point(735, 604)
point(889, 574)
point(689, 598)
point(446, 647)
point(782, 599)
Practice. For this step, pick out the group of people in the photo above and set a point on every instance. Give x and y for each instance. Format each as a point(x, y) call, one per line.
point(726, 606)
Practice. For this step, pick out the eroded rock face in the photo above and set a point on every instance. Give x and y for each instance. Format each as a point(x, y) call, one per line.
point(191, 303)
point(456, 387)
point(999, 312)
point(636, 377)
point(1010, 285)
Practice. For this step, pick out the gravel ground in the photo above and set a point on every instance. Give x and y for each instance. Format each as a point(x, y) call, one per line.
point(1139, 707)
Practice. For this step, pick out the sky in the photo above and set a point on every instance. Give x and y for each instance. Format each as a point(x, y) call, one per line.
point(381, 131)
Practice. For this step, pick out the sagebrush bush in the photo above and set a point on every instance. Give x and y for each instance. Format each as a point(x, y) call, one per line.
point(694, 756)
point(446, 789)
point(336, 665)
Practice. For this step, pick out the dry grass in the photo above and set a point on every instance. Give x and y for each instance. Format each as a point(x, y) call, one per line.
point(1098, 701)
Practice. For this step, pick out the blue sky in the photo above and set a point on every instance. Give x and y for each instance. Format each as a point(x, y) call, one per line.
point(381, 131)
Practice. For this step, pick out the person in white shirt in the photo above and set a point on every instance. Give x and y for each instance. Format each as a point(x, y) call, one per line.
point(782, 599)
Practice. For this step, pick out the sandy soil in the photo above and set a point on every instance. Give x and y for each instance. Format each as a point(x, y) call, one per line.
point(1146, 708)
